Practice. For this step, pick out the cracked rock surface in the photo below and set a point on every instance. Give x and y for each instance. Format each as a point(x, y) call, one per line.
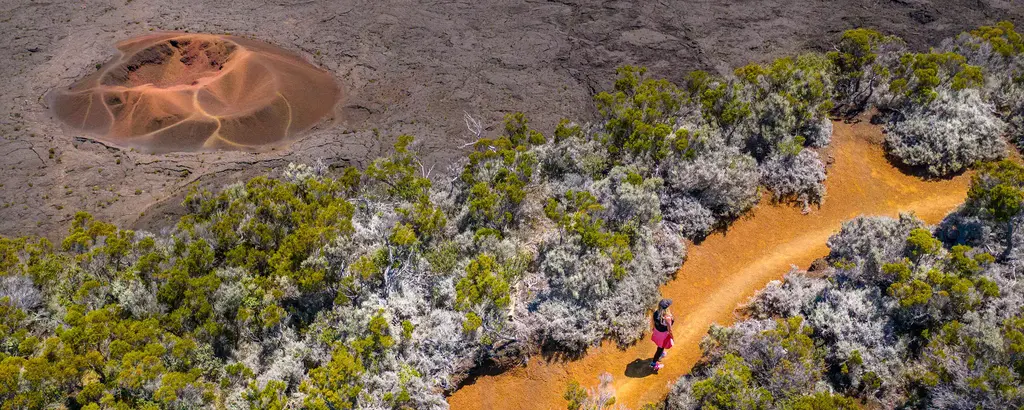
point(405, 67)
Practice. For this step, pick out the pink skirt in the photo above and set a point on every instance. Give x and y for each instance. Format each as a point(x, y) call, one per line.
point(662, 339)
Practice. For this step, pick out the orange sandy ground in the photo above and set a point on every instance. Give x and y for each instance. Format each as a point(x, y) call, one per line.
point(725, 271)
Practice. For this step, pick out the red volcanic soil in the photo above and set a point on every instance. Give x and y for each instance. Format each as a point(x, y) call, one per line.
point(188, 92)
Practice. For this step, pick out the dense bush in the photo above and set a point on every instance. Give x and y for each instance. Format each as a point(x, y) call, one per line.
point(937, 119)
point(720, 182)
point(949, 135)
point(999, 51)
point(799, 176)
point(305, 290)
point(712, 141)
point(944, 109)
point(902, 318)
point(789, 101)
point(334, 289)
point(381, 288)
point(860, 64)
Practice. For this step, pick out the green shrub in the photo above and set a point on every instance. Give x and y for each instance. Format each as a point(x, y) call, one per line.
point(1002, 37)
point(639, 114)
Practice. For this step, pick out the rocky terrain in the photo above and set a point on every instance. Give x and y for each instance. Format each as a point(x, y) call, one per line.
point(405, 67)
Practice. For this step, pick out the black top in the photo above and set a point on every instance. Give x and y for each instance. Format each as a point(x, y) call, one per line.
point(658, 325)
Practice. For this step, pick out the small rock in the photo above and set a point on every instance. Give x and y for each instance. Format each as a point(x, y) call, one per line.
point(818, 265)
point(922, 16)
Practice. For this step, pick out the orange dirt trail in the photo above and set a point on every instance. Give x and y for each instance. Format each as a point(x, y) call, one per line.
point(725, 271)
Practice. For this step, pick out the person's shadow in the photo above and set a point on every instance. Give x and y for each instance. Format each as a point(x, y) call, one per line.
point(639, 368)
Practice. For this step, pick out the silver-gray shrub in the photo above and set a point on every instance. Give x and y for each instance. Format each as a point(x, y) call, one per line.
point(782, 298)
point(583, 276)
point(628, 202)
point(1002, 68)
point(579, 283)
point(864, 244)
point(847, 320)
point(818, 133)
point(686, 215)
point(136, 297)
point(575, 155)
point(798, 177)
point(563, 325)
point(724, 181)
point(788, 98)
point(772, 123)
point(20, 292)
point(775, 372)
point(603, 303)
point(657, 256)
point(948, 135)
point(858, 322)
point(585, 303)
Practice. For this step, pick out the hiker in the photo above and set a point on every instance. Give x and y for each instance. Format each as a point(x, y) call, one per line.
point(661, 333)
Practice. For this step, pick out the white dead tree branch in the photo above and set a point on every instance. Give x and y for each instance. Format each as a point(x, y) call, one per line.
point(476, 130)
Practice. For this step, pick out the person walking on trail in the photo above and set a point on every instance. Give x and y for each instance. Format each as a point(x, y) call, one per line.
point(661, 333)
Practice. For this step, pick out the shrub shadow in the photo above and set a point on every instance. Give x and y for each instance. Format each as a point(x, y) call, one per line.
point(487, 368)
point(553, 355)
point(921, 171)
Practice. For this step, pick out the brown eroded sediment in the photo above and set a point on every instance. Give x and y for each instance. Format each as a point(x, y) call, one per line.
point(187, 92)
point(724, 271)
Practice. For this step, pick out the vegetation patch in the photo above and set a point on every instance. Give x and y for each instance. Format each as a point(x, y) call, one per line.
point(383, 287)
point(907, 316)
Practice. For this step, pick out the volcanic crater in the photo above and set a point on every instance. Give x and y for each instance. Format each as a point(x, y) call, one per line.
point(189, 92)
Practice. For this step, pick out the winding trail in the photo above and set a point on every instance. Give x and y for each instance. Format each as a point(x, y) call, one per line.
point(727, 269)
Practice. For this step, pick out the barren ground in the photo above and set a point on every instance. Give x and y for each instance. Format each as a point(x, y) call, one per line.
point(404, 66)
point(726, 270)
